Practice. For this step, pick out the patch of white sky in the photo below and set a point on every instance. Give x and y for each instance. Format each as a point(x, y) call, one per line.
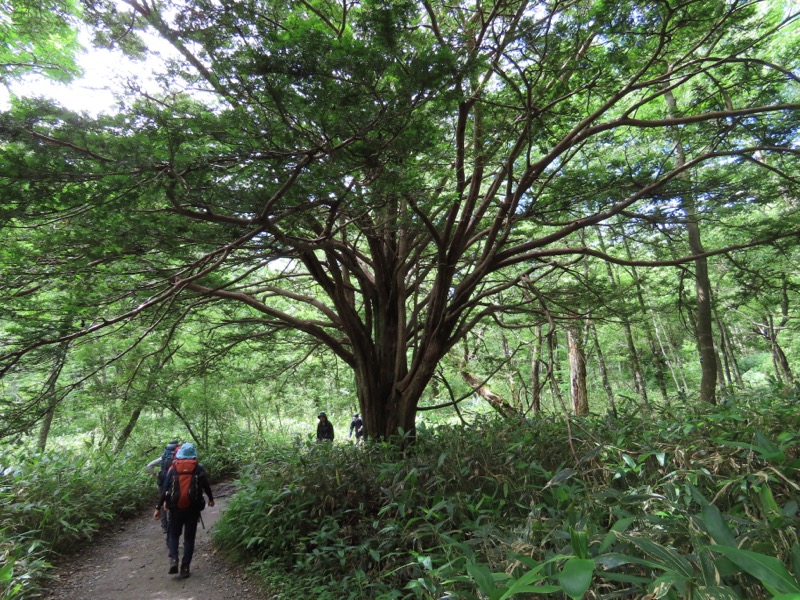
point(107, 74)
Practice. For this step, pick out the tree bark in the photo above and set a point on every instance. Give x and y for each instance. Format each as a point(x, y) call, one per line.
point(769, 331)
point(51, 396)
point(704, 319)
point(577, 372)
point(536, 385)
point(731, 365)
point(504, 409)
point(512, 382)
point(126, 432)
point(601, 362)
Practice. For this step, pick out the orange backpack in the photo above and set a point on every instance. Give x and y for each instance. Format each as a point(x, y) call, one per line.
point(184, 492)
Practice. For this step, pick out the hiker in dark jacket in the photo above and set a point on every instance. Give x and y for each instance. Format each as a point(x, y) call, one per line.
point(177, 491)
point(324, 428)
point(163, 463)
point(357, 427)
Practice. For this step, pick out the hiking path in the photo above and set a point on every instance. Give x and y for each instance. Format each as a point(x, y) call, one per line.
point(130, 562)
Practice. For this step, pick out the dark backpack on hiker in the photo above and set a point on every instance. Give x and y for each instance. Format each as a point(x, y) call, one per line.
point(184, 491)
point(166, 462)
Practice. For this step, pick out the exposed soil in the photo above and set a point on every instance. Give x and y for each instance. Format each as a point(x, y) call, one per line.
point(130, 562)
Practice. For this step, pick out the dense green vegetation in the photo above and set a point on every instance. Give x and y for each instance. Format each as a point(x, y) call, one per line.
point(678, 501)
point(51, 501)
point(549, 250)
point(378, 183)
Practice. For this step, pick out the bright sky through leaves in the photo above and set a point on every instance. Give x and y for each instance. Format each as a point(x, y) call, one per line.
point(104, 71)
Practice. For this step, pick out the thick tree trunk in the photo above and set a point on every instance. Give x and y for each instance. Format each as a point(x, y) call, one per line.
point(577, 373)
point(705, 335)
point(46, 424)
point(386, 412)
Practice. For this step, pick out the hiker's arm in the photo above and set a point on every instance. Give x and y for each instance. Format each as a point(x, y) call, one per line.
point(162, 496)
point(151, 466)
point(202, 479)
point(207, 490)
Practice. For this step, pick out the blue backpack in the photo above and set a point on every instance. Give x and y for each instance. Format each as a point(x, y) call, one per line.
point(166, 461)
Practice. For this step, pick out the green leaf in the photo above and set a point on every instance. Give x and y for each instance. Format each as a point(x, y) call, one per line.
point(523, 584)
point(613, 560)
point(796, 560)
point(716, 527)
point(716, 593)
point(665, 583)
point(770, 454)
point(627, 578)
point(766, 443)
point(768, 502)
point(576, 577)
point(579, 542)
point(767, 569)
point(666, 558)
point(708, 568)
point(560, 477)
point(618, 527)
point(530, 589)
point(483, 577)
point(629, 461)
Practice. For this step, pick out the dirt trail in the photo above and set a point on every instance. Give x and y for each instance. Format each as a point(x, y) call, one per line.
point(130, 563)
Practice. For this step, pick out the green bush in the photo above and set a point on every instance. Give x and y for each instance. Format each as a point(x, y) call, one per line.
point(678, 502)
point(51, 501)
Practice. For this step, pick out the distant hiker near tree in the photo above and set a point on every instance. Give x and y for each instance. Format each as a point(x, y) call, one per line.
point(357, 427)
point(324, 428)
point(163, 462)
point(182, 494)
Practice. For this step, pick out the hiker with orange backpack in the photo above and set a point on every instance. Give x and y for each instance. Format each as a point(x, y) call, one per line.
point(182, 494)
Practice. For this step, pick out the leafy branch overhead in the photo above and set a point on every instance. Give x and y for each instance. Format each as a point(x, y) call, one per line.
point(374, 174)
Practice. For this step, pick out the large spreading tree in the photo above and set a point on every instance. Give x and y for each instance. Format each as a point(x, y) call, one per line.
point(373, 174)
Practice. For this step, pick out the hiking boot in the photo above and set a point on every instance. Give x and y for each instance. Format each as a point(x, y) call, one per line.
point(173, 566)
point(185, 572)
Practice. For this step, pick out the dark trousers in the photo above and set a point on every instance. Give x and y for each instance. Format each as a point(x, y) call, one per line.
point(182, 521)
point(164, 513)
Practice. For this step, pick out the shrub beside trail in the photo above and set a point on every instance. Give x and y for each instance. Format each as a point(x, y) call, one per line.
point(677, 502)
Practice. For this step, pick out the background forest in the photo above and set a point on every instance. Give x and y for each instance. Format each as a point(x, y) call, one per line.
point(548, 250)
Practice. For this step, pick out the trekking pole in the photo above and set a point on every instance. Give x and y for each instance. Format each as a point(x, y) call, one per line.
point(200, 516)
